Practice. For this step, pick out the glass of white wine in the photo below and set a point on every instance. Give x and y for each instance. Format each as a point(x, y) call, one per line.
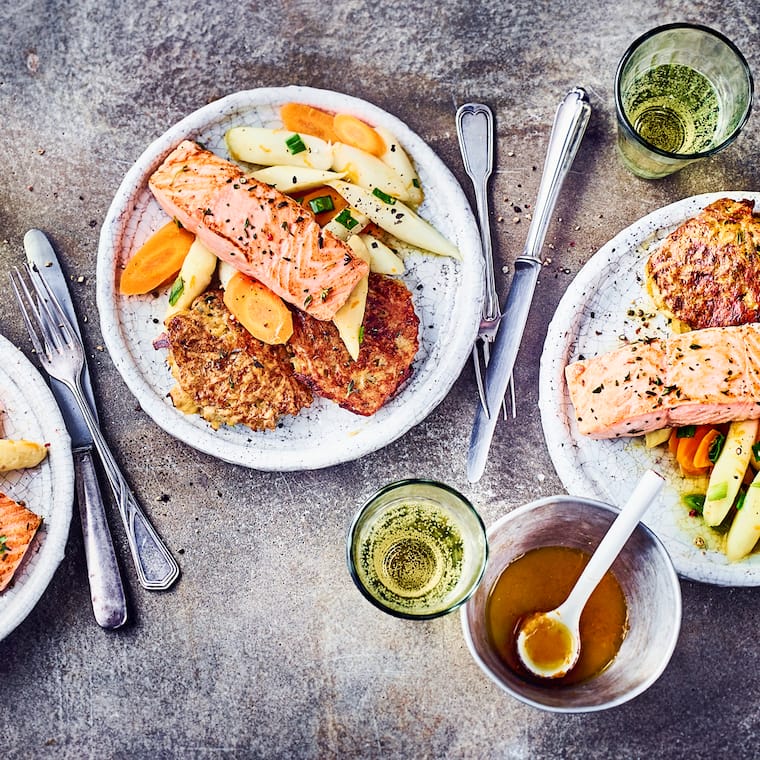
point(683, 92)
point(417, 549)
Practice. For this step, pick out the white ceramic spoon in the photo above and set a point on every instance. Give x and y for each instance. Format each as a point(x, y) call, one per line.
point(558, 630)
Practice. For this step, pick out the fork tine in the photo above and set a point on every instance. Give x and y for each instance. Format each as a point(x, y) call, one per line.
point(27, 306)
point(56, 321)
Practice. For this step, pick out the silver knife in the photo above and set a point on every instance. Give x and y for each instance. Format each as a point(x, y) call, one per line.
point(106, 587)
point(569, 127)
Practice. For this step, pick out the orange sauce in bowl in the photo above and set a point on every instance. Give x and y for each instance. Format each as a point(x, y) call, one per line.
point(541, 580)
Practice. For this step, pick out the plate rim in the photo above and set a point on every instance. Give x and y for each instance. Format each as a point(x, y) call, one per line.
point(706, 566)
point(436, 388)
point(60, 461)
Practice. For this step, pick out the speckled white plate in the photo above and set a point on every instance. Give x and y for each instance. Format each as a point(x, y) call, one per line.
point(447, 297)
point(607, 301)
point(29, 411)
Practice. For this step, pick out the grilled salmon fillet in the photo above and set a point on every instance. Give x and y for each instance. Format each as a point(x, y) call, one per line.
point(707, 272)
point(226, 375)
point(701, 377)
point(18, 526)
point(388, 348)
point(257, 229)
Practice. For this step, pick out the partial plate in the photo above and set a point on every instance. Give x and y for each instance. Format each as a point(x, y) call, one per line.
point(605, 303)
point(29, 411)
point(447, 297)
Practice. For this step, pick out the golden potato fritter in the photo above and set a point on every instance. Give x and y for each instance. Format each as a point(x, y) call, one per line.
point(387, 350)
point(707, 272)
point(226, 375)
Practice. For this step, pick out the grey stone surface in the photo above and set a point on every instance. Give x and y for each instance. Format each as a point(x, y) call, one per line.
point(264, 648)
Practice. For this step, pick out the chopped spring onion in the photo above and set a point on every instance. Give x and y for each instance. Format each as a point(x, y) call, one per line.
point(695, 501)
point(295, 144)
point(322, 203)
point(177, 289)
point(718, 491)
point(384, 197)
point(346, 219)
point(687, 431)
point(716, 447)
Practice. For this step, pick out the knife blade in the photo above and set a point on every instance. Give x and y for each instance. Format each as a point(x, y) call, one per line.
point(569, 126)
point(106, 587)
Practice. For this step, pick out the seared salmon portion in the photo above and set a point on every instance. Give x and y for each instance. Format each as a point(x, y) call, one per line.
point(257, 229)
point(18, 526)
point(701, 377)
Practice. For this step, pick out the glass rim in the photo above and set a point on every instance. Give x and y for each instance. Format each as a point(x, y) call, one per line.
point(623, 119)
point(396, 484)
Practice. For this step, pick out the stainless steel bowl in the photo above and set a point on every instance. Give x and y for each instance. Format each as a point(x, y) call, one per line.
point(646, 576)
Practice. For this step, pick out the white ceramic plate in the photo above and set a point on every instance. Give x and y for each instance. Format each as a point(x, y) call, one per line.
point(30, 411)
point(447, 297)
point(607, 300)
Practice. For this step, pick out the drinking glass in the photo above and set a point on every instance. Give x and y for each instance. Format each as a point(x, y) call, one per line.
point(417, 549)
point(683, 92)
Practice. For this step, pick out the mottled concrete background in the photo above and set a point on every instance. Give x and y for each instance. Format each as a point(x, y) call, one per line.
point(264, 648)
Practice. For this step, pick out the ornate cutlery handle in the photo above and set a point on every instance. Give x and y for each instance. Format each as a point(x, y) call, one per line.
point(569, 125)
point(106, 589)
point(156, 568)
point(475, 132)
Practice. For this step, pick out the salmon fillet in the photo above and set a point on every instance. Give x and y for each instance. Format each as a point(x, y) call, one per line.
point(18, 526)
point(390, 343)
point(257, 229)
point(707, 271)
point(226, 375)
point(701, 377)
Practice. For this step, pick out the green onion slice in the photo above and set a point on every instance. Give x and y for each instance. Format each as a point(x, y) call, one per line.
point(295, 144)
point(718, 491)
point(322, 203)
point(687, 431)
point(177, 289)
point(716, 447)
point(695, 501)
point(384, 197)
point(346, 219)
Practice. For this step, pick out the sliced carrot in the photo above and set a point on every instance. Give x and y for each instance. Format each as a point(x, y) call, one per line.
point(337, 200)
point(157, 261)
point(673, 441)
point(258, 309)
point(687, 448)
point(353, 131)
point(299, 117)
point(702, 454)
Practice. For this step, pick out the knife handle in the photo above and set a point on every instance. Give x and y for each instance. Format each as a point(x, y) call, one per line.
point(569, 126)
point(106, 588)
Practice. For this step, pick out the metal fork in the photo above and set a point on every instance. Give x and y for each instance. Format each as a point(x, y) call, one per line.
point(475, 132)
point(62, 355)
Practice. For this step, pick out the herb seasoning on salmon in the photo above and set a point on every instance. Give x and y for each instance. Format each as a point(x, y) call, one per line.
point(257, 229)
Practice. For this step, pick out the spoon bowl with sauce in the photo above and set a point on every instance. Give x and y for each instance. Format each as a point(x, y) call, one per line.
point(549, 643)
point(629, 626)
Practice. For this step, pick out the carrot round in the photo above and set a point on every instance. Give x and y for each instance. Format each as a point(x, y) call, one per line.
point(158, 260)
point(359, 134)
point(258, 309)
point(702, 454)
point(298, 117)
point(687, 449)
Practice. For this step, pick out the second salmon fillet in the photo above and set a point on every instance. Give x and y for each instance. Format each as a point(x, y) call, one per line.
point(701, 377)
point(257, 229)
